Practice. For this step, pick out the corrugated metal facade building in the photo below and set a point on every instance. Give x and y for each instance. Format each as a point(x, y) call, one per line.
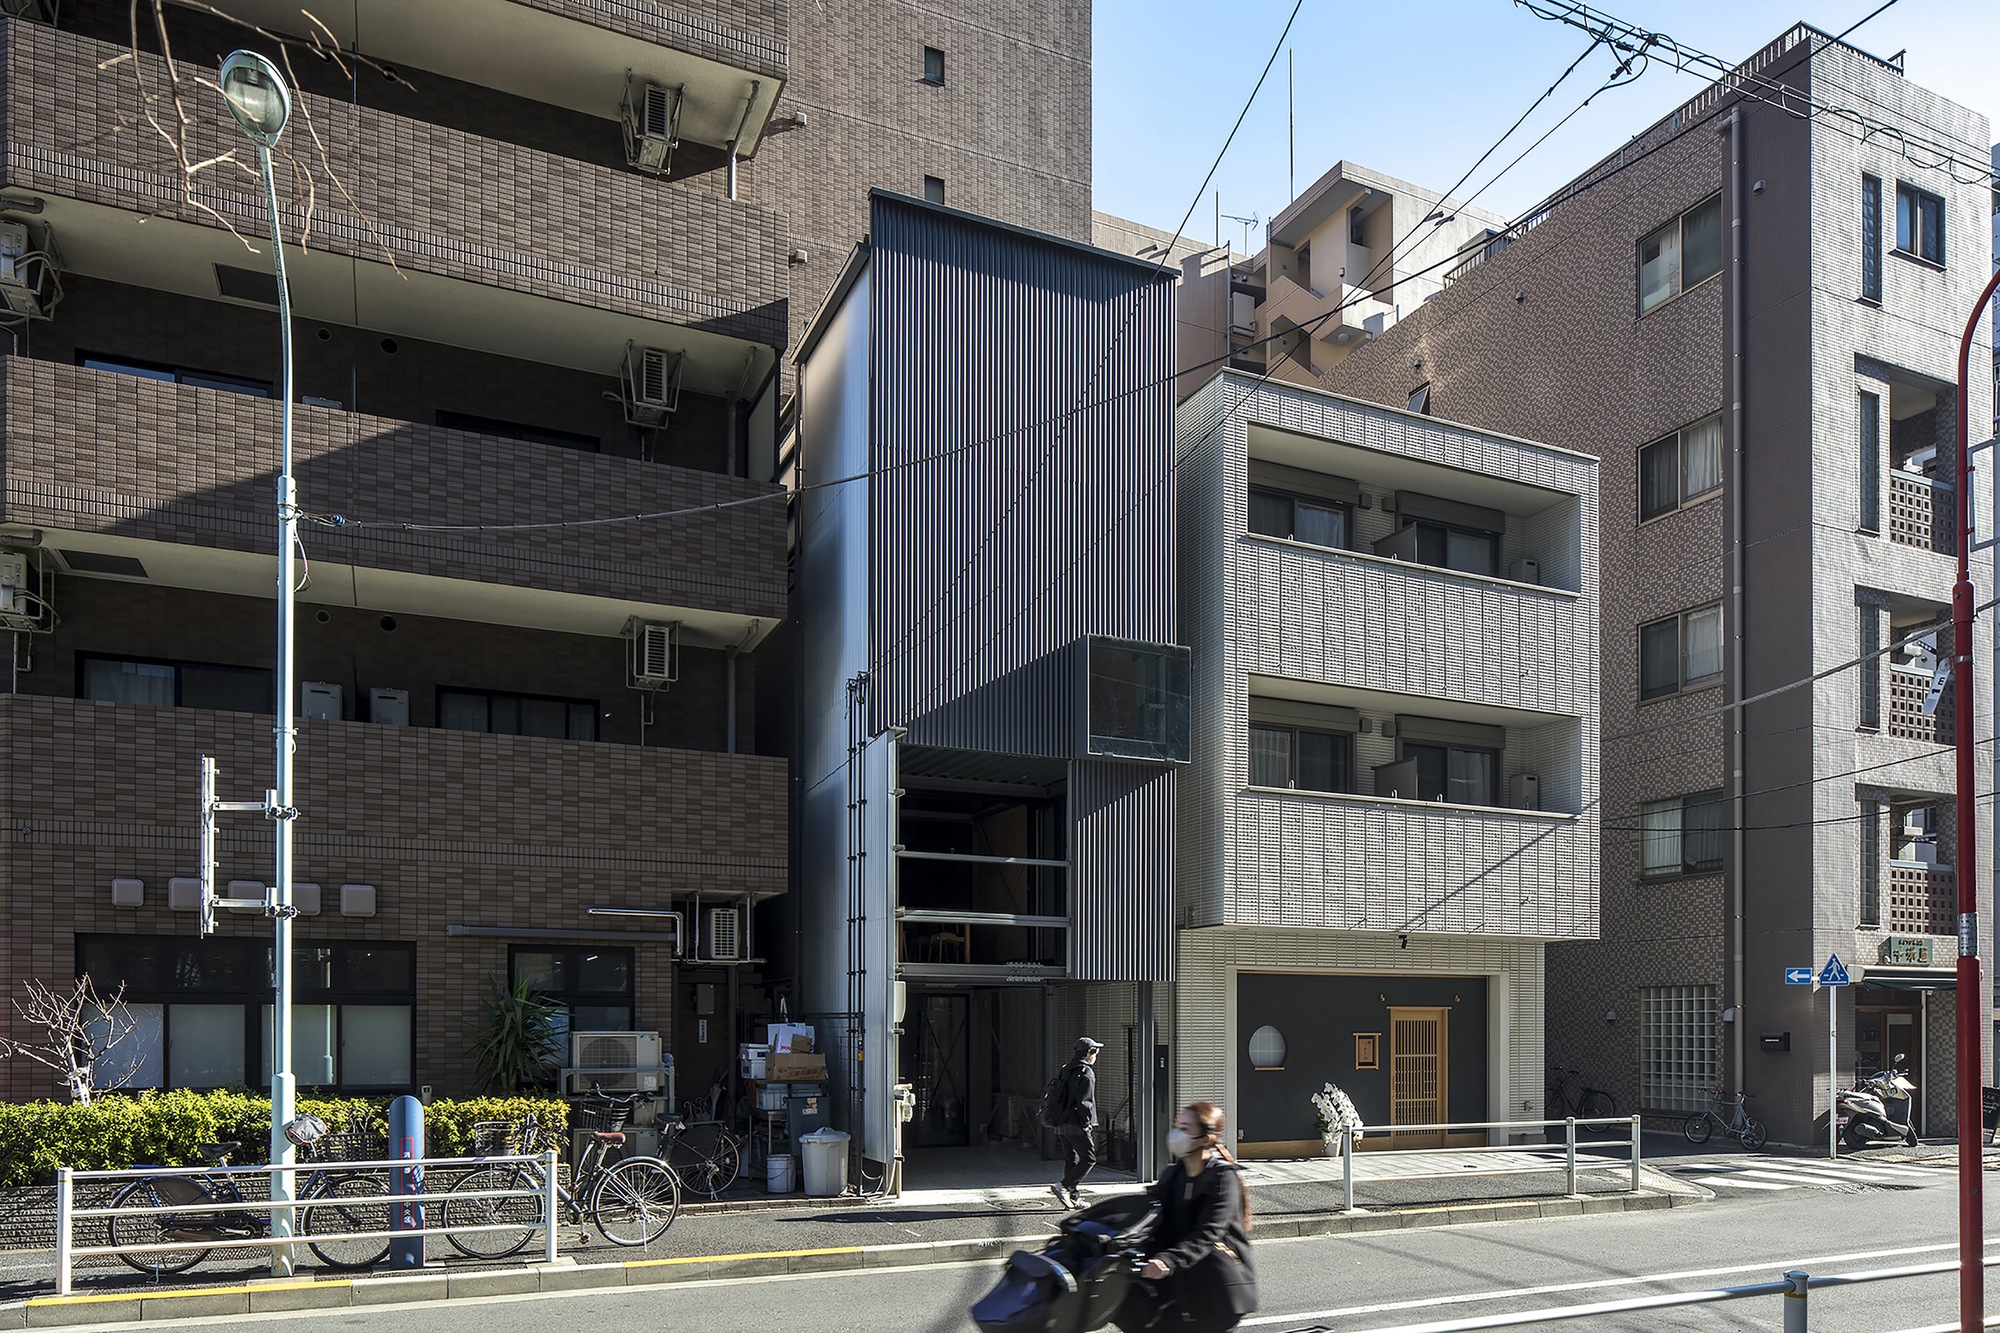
point(992, 705)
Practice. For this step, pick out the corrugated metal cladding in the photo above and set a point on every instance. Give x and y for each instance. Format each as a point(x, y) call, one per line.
point(1122, 885)
point(1022, 460)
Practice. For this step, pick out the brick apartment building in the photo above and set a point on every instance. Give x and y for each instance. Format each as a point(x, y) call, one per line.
point(482, 758)
point(1615, 320)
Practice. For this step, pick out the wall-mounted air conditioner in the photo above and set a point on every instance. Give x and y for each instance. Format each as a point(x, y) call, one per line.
point(651, 379)
point(389, 707)
point(1524, 791)
point(614, 1050)
point(725, 934)
point(319, 700)
point(655, 654)
point(652, 116)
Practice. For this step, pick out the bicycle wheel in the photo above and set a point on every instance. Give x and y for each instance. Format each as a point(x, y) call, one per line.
point(706, 1158)
point(159, 1228)
point(507, 1224)
point(364, 1206)
point(1754, 1135)
point(635, 1201)
point(1599, 1109)
point(1699, 1126)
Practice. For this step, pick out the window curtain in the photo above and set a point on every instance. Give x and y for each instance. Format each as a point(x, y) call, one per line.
point(1701, 833)
point(1659, 266)
point(129, 683)
point(1701, 457)
point(1704, 645)
point(1270, 757)
point(1659, 658)
point(1660, 853)
point(1469, 778)
point(1659, 479)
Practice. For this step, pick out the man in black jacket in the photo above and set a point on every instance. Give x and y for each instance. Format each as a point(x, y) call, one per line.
point(1078, 1122)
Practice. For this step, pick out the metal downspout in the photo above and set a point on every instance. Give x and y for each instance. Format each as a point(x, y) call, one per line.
point(1738, 291)
point(736, 140)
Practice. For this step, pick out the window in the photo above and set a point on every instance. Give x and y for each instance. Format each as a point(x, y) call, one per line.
point(1357, 226)
point(1299, 518)
point(1686, 251)
point(1300, 758)
point(229, 689)
point(1454, 774)
point(1919, 224)
point(933, 65)
point(593, 985)
point(1871, 239)
point(1872, 813)
point(1678, 1051)
point(1681, 468)
point(514, 430)
point(198, 379)
point(1682, 836)
point(1420, 399)
point(934, 189)
point(1680, 652)
point(1467, 550)
point(1870, 481)
point(1868, 673)
point(203, 1016)
point(517, 715)
point(1136, 700)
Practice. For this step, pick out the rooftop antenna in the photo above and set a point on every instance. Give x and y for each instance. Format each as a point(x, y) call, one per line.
point(1248, 223)
point(1291, 131)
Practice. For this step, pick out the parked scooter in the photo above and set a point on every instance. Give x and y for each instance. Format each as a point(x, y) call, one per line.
point(1878, 1109)
point(1077, 1281)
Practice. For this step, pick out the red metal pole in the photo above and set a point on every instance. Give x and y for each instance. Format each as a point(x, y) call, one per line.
point(1971, 1166)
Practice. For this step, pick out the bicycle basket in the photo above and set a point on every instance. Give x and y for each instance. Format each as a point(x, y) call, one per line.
point(602, 1117)
point(495, 1138)
point(350, 1146)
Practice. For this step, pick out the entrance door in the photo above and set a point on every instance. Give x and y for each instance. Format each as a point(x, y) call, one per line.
point(936, 1066)
point(1417, 1074)
point(1881, 1034)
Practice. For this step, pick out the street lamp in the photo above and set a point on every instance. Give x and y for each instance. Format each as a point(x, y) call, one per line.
point(261, 103)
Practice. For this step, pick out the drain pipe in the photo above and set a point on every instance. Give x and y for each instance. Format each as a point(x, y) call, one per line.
point(729, 681)
point(1738, 292)
point(737, 460)
point(736, 141)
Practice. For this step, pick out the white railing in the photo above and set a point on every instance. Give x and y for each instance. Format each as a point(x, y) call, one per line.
point(540, 1182)
point(1792, 1287)
point(1573, 1166)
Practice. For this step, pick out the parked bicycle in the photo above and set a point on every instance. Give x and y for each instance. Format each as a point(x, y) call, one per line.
point(630, 1202)
point(1739, 1124)
point(1592, 1108)
point(332, 1202)
point(703, 1154)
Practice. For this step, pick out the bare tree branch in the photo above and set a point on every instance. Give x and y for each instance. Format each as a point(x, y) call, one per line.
point(77, 1029)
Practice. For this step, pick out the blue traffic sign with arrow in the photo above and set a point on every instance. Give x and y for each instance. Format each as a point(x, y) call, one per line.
point(1798, 976)
point(1834, 973)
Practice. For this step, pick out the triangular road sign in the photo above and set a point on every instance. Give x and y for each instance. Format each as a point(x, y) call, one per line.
point(1834, 973)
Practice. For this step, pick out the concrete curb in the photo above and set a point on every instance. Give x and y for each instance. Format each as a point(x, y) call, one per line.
point(276, 1295)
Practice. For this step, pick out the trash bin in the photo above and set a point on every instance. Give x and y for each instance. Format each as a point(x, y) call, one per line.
point(781, 1173)
point(825, 1153)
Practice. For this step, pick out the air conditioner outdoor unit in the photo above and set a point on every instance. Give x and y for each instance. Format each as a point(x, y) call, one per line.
point(20, 609)
point(580, 1082)
point(652, 115)
point(30, 272)
point(319, 700)
point(1919, 822)
point(656, 654)
point(652, 382)
point(614, 1050)
point(725, 934)
point(1525, 570)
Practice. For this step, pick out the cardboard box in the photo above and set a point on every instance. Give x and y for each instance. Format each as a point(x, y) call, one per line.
point(798, 1068)
point(794, 1037)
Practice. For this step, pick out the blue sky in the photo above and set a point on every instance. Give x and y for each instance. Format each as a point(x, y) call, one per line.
point(1419, 88)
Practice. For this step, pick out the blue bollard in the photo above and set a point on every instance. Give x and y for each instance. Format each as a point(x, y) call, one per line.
point(406, 1144)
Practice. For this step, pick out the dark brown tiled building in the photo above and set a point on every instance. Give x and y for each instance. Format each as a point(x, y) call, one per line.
point(1613, 321)
point(477, 765)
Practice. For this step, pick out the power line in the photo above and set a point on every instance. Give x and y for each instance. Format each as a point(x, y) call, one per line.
point(1825, 777)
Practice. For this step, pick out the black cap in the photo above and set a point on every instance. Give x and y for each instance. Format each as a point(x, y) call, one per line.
point(1088, 1046)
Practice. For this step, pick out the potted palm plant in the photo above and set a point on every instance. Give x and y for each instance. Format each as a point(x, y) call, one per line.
point(521, 1047)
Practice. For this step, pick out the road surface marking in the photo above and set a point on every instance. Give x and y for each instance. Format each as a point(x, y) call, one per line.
point(1739, 1183)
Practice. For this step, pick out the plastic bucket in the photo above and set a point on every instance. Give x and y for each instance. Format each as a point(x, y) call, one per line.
point(781, 1173)
point(825, 1155)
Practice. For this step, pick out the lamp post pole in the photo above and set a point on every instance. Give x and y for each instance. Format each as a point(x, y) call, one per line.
point(1971, 1167)
point(258, 99)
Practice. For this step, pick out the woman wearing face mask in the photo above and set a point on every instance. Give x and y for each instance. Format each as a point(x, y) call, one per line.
point(1199, 1269)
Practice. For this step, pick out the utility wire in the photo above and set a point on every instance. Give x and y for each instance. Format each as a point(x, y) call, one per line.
point(1858, 22)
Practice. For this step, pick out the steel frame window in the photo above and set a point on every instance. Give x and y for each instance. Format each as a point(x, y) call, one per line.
point(1690, 641)
point(1919, 224)
point(1679, 1061)
point(1301, 758)
point(1683, 253)
point(1681, 468)
point(1300, 518)
point(1682, 836)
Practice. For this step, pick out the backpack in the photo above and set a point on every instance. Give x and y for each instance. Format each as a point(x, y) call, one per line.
point(1056, 1100)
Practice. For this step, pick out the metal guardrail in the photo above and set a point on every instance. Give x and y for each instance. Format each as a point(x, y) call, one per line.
point(1793, 1287)
point(540, 1170)
point(1573, 1166)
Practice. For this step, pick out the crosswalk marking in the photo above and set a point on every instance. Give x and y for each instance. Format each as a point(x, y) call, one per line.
point(1739, 1183)
point(1781, 1173)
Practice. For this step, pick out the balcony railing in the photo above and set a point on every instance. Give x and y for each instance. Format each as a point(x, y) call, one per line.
point(1922, 513)
point(1907, 719)
point(1922, 900)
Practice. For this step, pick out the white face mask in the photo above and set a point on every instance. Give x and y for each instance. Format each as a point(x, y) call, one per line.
point(1180, 1143)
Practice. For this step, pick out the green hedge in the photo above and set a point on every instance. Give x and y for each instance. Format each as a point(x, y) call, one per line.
point(168, 1128)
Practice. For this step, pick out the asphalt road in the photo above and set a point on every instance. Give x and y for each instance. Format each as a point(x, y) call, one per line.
point(1753, 1231)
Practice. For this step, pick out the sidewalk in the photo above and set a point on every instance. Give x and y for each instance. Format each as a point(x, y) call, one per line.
point(942, 1224)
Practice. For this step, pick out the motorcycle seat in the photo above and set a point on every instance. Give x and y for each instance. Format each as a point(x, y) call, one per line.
point(1031, 1265)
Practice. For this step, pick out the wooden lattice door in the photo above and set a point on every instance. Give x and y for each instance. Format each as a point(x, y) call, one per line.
point(1417, 1073)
